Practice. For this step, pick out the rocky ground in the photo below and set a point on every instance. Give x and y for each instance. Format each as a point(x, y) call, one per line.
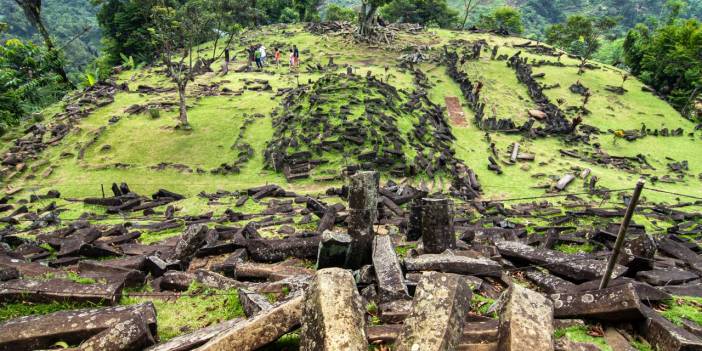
point(439, 190)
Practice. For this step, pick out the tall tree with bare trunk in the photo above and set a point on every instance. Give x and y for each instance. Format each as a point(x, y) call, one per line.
point(32, 11)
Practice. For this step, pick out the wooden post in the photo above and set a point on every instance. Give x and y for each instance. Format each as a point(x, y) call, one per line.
point(622, 233)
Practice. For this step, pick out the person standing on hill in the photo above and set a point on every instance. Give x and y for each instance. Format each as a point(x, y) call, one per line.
point(257, 56)
point(251, 50)
point(277, 58)
point(296, 55)
point(262, 49)
point(292, 59)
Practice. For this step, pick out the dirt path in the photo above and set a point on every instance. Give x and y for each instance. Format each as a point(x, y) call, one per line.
point(455, 111)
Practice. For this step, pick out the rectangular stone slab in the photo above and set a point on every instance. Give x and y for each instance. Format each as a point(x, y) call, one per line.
point(129, 334)
point(333, 314)
point(449, 263)
point(616, 303)
point(391, 284)
point(260, 330)
point(197, 338)
point(276, 250)
point(526, 321)
point(439, 307)
point(557, 262)
point(37, 332)
point(58, 290)
point(663, 335)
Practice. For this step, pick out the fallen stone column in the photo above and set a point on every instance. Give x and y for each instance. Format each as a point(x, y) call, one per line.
point(557, 262)
point(253, 303)
point(276, 250)
point(59, 290)
point(190, 341)
point(260, 330)
point(526, 321)
point(333, 315)
point(131, 334)
point(450, 263)
point(663, 335)
point(40, 332)
point(391, 283)
point(617, 303)
point(436, 322)
point(363, 212)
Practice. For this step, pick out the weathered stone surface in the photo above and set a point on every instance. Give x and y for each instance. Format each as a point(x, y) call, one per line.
point(557, 262)
point(363, 206)
point(440, 304)
point(663, 335)
point(333, 249)
point(437, 226)
point(192, 239)
point(333, 315)
point(252, 302)
point(685, 290)
point(565, 344)
point(616, 303)
point(112, 274)
point(37, 332)
point(131, 334)
point(680, 251)
point(268, 271)
point(450, 263)
point(526, 321)
point(391, 284)
point(260, 330)
point(276, 250)
point(8, 273)
point(661, 277)
point(59, 290)
point(549, 283)
point(644, 291)
point(190, 341)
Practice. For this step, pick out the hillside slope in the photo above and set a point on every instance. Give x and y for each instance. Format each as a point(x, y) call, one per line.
point(120, 141)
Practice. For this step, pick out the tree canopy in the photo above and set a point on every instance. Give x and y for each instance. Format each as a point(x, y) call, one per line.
point(503, 19)
point(429, 12)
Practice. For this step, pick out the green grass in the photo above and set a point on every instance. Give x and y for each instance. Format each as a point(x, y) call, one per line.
point(684, 307)
point(574, 248)
point(197, 308)
point(580, 334)
point(24, 308)
point(402, 250)
point(481, 305)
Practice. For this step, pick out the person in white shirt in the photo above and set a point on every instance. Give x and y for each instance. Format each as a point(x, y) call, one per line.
point(262, 49)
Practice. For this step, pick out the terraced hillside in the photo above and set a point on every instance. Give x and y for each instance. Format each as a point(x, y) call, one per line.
point(121, 141)
point(106, 202)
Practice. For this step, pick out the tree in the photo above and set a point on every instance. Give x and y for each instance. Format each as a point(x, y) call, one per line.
point(32, 10)
point(580, 35)
point(337, 13)
point(420, 11)
point(367, 20)
point(503, 19)
point(28, 81)
point(177, 32)
point(668, 59)
point(289, 15)
point(468, 7)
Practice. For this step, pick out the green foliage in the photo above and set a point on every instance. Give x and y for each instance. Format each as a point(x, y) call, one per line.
point(481, 304)
point(421, 11)
point(668, 59)
point(580, 334)
point(337, 13)
point(124, 25)
point(289, 15)
point(580, 35)
point(575, 249)
point(28, 81)
point(503, 18)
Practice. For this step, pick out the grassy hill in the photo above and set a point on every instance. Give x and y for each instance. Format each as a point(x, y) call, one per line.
point(118, 146)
